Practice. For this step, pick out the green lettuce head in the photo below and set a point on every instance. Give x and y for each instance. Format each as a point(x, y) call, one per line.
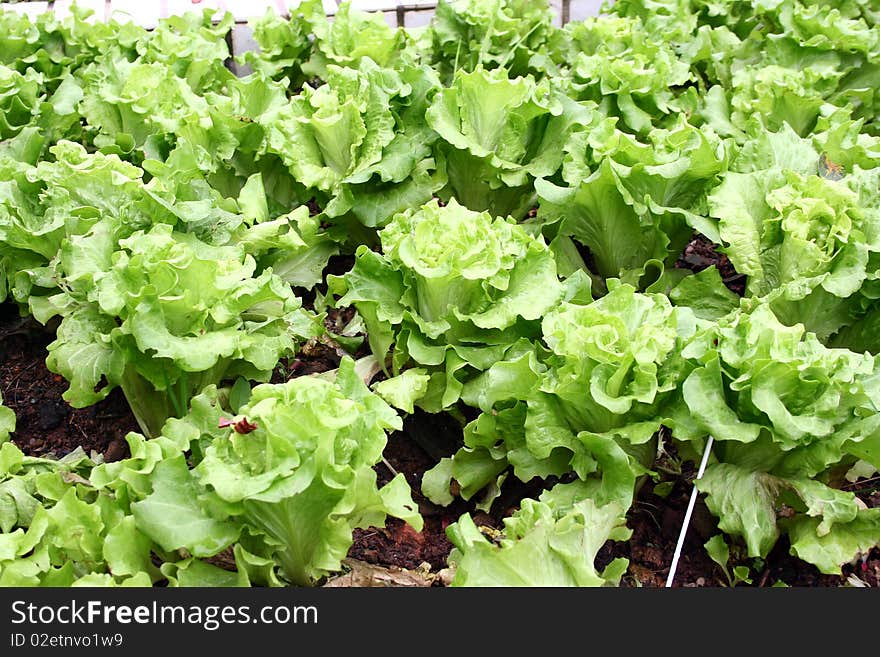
point(287, 477)
point(629, 73)
point(514, 35)
point(589, 403)
point(168, 315)
point(359, 143)
point(633, 202)
point(452, 289)
point(498, 135)
point(789, 417)
point(802, 228)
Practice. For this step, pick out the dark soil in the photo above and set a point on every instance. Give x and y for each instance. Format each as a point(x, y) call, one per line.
point(700, 253)
point(47, 425)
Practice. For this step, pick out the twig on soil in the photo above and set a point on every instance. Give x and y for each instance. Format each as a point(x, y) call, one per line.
point(394, 472)
point(79, 428)
point(861, 482)
point(14, 401)
point(648, 513)
point(22, 371)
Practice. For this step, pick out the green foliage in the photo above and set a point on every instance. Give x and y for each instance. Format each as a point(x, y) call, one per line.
point(515, 198)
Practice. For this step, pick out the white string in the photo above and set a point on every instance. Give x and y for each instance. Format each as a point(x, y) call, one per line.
point(687, 515)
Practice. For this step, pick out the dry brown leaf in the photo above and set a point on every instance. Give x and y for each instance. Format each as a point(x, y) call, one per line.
point(366, 575)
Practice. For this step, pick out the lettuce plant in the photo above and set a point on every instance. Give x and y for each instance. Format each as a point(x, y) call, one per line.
point(452, 289)
point(139, 104)
point(43, 205)
point(288, 477)
point(192, 46)
point(498, 135)
point(789, 417)
point(167, 314)
point(804, 234)
point(615, 63)
point(62, 524)
point(284, 44)
point(354, 36)
point(631, 202)
point(56, 530)
point(590, 402)
point(359, 141)
point(301, 48)
point(58, 47)
point(514, 35)
point(552, 541)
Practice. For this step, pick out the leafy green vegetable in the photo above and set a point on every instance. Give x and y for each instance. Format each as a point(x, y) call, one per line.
point(590, 403)
point(629, 74)
point(7, 421)
point(284, 44)
point(631, 202)
point(452, 289)
point(498, 135)
point(168, 315)
point(542, 544)
point(57, 531)
point(514, 35)
point(804, 240)
point(786, 412)
point(359, 141)
point(354, 36)
point(290, 476)
point(514, 197)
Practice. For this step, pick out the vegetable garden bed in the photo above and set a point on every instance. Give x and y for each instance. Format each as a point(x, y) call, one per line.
point(456, 305)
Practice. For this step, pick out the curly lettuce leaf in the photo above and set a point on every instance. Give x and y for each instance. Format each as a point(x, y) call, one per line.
point(451, 288)
point(630, 202)
point(544, 543)
point(303, 478)
point(7, 421)
point(497, 135)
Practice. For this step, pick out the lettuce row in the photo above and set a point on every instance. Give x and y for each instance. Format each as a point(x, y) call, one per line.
point(752, 123)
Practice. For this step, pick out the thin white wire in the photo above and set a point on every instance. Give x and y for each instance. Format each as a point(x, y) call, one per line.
point(687, 515)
